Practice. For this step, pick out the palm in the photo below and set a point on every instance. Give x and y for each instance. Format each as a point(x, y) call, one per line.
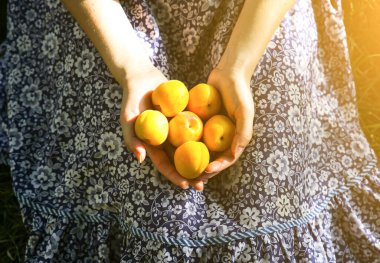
point(136, 97)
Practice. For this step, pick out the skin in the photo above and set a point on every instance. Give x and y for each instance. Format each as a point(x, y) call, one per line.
point(107, 26)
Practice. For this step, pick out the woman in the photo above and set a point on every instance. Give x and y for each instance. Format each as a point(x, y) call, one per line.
point(298, 183)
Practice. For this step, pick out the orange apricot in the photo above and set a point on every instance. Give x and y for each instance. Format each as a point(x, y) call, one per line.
point(191, 159)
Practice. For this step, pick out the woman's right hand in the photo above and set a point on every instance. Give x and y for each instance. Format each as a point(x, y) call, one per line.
point(137, 89)
point(109, 29)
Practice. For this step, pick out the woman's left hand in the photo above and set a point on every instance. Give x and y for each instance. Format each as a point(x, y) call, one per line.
point(238, 101)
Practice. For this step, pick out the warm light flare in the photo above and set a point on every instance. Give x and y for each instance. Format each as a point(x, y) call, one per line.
point(363, 33)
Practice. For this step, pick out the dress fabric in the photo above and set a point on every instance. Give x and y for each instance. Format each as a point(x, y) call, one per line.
point(306, 189)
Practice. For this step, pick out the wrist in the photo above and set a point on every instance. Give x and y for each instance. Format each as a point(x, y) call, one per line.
point(236, 65)
point(125, 73)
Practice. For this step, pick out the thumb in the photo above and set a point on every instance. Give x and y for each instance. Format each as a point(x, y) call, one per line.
point(133, 143)
point(244, 130)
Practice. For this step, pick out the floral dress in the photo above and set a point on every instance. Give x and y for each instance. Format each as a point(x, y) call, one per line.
point(306, 188)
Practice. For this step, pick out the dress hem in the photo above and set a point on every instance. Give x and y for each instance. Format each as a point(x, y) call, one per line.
point(216, 240)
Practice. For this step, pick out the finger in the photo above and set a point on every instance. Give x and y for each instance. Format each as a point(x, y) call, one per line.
point(243, 131)
point(130, 110)
point(222, 162)
point(206, 176)
point(197, 184)
point(131, 141)
point(165, 167)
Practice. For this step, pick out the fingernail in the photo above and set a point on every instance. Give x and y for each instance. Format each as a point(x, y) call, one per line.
point(185, 186)
point(141, 159)
point(142, 154)
point(139, 156)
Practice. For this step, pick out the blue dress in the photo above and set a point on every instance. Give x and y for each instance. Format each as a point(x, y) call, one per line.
point(306, 189)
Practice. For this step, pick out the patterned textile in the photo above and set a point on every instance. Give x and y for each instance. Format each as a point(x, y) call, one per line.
point(306, 189)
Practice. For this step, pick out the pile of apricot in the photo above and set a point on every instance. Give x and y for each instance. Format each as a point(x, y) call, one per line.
point(190, 121)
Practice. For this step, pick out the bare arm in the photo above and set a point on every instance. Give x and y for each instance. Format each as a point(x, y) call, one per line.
point(107, 26)
point(253, 30)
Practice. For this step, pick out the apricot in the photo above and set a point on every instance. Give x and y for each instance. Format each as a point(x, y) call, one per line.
point(170, 97)
point(204, 100)
point(191, 159)
point(185, 126)
point(218, 133)
point(152, 127)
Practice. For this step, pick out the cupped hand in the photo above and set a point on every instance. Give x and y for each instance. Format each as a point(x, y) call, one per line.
point(238, 101)
point(137, 90)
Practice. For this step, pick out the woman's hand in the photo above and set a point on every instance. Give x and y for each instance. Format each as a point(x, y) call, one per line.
point(234, 87)
point(109, 29)
point(137, 90)
point(253, 30)
point(137, 98)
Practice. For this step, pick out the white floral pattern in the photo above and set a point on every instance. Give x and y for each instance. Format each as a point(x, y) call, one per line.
point(60, 134)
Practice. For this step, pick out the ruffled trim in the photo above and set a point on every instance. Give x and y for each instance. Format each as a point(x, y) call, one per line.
point(140, 233)
point(346, 229)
